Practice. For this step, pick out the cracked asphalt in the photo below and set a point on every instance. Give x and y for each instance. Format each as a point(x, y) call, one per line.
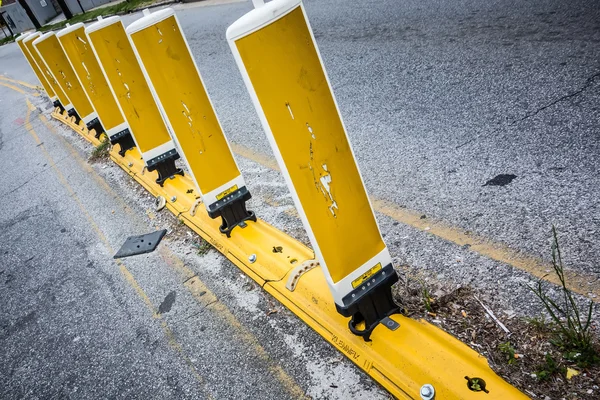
point(438, 99)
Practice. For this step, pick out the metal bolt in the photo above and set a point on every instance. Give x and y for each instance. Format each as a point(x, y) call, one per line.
point(427, 392)
point(173, 199)
point(130, 165)
point(252, 258)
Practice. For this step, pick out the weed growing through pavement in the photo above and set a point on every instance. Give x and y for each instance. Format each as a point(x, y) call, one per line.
point(549, 368)
point(571, 331)
point(203, 247)
point(427, 299)
point(508, 350)
point(100, 151)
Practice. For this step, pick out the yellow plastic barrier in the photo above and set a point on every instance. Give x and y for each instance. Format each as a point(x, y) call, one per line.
point(36, 70)
point(56, 60)
point(122, 71)
point(171, 71)
point(64, 103)
point(415, 360)
point(278, 58)
point(76, 45)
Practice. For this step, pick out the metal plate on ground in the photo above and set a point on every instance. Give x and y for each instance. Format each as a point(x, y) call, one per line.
point(141, 244)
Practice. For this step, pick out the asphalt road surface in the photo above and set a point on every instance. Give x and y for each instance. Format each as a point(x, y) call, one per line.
point(439, 98)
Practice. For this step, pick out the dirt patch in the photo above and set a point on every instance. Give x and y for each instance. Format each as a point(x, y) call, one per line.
point(525, 357)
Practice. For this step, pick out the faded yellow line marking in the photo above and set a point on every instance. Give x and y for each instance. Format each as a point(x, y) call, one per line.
point(122, 268)
point(192, 283)
point(585, 284)
point(17, 89)
point(22, 83)
point(86, 166)
point(207, 298)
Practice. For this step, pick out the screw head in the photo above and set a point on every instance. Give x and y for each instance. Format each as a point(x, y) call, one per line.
point(252, 258)
point(173, 199)
point(427, 392)
point(130, 165)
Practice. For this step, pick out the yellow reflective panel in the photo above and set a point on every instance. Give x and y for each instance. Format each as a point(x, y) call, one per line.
point(36, 70)
point(57, 62)
point(165, 56)
point(58, 91)
point(85, 64)
point(290, 83)
point(125, 76)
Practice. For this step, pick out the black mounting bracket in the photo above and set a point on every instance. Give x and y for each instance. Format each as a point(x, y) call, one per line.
point(124, 140)
point(165, 165)
point(97, 126)
point(58, 104)
point(73, 113)
point(232, 210)
point(371, 302)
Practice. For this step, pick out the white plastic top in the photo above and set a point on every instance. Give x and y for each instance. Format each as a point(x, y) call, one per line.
point(69, 29)
point(260, 17)
point(43, 37)
point(31, 36)
point(23, 36)
point(149, 19)
point(102, 23)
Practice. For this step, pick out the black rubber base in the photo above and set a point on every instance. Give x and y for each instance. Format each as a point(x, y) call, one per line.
point(58, 104)
point(73, 113)
point(165, 165)
point(371, 302)
point(232, 210)
point(97, 126)
point(124, 140)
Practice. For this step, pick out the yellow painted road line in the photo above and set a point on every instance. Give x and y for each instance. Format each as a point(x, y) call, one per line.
point(206, 297)
point(122, 268)
point(17, 89)
point(190, 281)
point(27, 85)
point(581, 283)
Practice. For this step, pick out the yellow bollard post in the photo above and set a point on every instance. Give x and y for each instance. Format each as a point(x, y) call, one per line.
point(56, 60)
point(36, 70)
point(175, 80)
point(76, 45)
point(63, 101)
point(276, 53)
point(124, 75)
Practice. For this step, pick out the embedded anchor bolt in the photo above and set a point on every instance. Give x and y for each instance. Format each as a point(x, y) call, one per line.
point(427, 392)
point(232, 210)
point(370, 302)
point(173, 199)
point(252, 258)
point(165, 165)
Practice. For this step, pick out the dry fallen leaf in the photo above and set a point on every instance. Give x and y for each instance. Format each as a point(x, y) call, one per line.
point(572, 372)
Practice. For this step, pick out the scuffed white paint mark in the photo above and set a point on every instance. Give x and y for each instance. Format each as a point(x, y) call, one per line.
point(310, 130)
point(127, 88)
point(326, 189)
point(86, 70)
point(290, 110)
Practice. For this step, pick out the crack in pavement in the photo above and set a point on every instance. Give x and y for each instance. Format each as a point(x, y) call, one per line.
point(587, 84)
